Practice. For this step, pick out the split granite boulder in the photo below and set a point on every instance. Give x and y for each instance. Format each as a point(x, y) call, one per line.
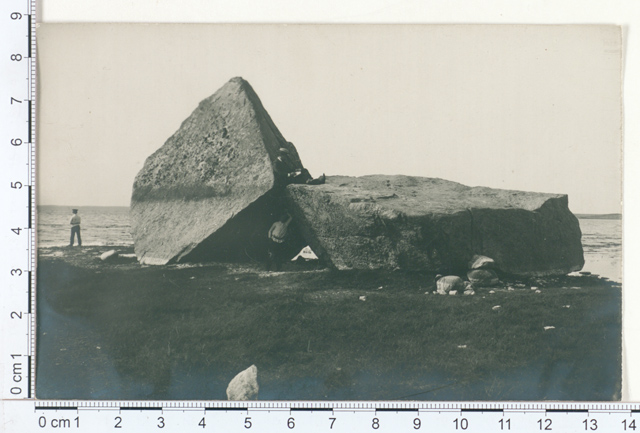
point(415, 223)
point(214, 188)
point(208, 193)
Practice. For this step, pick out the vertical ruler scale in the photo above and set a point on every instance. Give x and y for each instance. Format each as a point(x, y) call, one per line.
point(32, 195)
point(17, 192)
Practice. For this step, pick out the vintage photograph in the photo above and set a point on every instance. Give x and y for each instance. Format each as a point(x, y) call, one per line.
point(329, 212)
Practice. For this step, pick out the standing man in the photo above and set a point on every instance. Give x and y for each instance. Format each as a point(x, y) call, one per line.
point(75, 227)
point(277, 236)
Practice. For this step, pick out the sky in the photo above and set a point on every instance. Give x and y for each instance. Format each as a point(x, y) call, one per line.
point(533, 108)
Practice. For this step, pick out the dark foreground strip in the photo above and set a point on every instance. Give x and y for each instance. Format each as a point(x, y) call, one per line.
point(140, 408)
point(227, 408)
point(481, 410)
point(311, 409)
point(56, 408)
point(635, 410)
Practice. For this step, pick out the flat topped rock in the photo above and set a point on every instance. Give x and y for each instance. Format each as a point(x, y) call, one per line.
point(413, 195)
point(218, 164)
point(415, 223)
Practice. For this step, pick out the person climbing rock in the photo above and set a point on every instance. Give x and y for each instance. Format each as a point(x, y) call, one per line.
point(286, 169)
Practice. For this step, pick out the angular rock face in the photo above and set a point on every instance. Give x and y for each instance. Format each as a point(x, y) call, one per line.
point(413, 223)
point(216, 170)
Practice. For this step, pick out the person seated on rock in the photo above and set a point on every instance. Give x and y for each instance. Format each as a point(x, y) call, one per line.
point(277, 237)
point(287, 170)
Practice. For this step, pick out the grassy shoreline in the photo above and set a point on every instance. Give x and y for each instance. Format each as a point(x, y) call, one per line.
point(184, 331)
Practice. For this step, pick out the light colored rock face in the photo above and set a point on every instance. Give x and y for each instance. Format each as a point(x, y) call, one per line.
point(414, 223)
point(244, 386)
point(218, 163)
point(450, 284)
point(481, 262)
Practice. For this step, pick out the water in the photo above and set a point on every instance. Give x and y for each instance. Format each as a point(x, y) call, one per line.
point(101, 226)
point(106, 226)
point(602, 245)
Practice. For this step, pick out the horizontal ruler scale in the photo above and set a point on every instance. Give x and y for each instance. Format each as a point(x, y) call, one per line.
point(99, 416)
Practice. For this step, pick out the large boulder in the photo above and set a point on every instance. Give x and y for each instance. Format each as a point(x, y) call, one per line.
point(414, 223)
point(209, 191)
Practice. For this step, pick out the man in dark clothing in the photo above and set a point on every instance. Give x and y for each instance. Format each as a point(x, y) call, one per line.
point(75, 227)
point(287, 170)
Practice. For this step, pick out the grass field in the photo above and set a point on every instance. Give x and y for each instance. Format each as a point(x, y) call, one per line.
point(124, 331)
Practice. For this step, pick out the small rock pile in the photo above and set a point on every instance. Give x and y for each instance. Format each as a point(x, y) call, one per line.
point(482, 273)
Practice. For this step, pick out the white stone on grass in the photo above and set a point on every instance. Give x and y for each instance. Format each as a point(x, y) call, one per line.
point(109, 255)
point(244, 386)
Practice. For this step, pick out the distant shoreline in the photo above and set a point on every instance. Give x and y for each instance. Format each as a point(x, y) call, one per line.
point(605, 216)
point(594, 216)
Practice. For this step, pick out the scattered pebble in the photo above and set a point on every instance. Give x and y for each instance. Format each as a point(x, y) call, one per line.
point(521, 286)
point(380, 288)
point(546, 328)
point(192, 278)
point(462, 346)
point(538, 291)
point(566, 306)
point(98, 347)
point(576, 288)
point(469, 292)
point(434, 292)
point(363, 298)
point(453, 292)
point(427, 293)
point(491, 292)
point(534, 288)
point(510, 288)
point(496, 307)
point(62, 349)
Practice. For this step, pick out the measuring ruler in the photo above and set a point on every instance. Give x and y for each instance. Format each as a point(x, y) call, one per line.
point(323, 417)
point(17, 238)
